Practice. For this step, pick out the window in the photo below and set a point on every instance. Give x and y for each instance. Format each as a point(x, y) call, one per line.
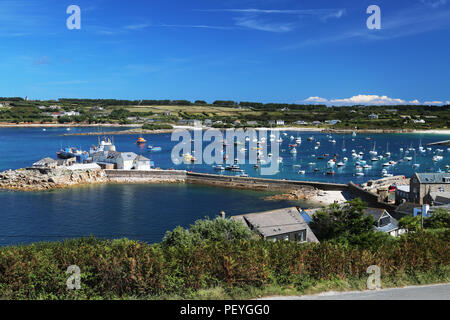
point(300, 236)
point(384, 221)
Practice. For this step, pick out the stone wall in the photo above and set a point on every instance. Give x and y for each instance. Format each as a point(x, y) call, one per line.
point(259, 183)
point(151, 176)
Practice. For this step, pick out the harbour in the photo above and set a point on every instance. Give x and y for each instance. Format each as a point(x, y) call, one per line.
point(180, 184)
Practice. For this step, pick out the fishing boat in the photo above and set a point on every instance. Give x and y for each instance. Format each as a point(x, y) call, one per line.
point(340, 164)
point(218, 168)
point(234, 168)
point(140, 140)
point(302, 172)
point(292, 145)
point(298, 140)
point(73, 152)
point(155, 149)
point(310, 138)
point(353, 134)
point(360, 174)
point(293, 151)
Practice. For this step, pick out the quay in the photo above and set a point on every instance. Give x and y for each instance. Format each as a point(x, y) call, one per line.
point(440, 143)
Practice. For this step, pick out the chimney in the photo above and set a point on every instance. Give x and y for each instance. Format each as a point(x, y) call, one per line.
point(222, 214)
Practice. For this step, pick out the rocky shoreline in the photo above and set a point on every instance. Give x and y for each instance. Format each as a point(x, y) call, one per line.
point(39, 179)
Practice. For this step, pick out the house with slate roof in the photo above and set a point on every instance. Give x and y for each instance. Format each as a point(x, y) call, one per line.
point(384, 222)
point(281, 224)
point(426, 186)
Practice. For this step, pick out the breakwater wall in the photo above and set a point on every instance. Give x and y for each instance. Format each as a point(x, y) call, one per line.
point(217, 180)
point(259, 183)
point(152, 176)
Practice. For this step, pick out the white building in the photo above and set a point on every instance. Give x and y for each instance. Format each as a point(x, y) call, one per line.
point(122, 160)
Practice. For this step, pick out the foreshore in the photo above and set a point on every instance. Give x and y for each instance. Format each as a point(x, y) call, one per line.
point(45, 179)
point(137, 129)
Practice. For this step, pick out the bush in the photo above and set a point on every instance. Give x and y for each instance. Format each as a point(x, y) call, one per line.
point(219, 229)
point(124, 268)
point(157, 126)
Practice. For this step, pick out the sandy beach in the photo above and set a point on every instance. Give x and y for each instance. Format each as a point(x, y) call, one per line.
point(329, 197)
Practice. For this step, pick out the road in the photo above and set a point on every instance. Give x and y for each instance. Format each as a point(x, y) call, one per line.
point(428, 292)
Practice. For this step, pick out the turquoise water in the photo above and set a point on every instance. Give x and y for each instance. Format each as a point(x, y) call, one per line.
point(145, 212)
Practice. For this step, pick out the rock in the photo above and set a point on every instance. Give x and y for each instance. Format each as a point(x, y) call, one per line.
point(30, 180)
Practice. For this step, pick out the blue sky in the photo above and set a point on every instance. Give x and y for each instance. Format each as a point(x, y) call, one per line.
point(318, 51)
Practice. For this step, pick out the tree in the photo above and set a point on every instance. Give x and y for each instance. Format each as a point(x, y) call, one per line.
point(219, 229)
point(410, 223)
point(344, 223)
point(440, 218)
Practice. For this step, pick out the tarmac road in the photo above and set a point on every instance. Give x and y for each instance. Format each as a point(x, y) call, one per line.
point(428, 292)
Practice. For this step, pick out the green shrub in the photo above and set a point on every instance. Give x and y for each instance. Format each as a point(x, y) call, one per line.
point(125, 268)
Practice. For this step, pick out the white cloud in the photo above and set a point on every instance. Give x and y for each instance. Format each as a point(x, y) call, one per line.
point(363, 99)
point(447, 102)
point(136, 26)
point(261, 25)
point(316, 100)
point(258, 19)
point(433, 102)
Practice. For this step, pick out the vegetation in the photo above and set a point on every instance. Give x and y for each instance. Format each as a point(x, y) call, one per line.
point(156, 126)
point(207, 230)
point(399, 117)
point(438, 220)
point(220, 258)
point(240, 269)
point(347, 224)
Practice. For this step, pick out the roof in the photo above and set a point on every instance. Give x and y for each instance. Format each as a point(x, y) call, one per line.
point(277, 222)
point(441, 197)
point(389, 227)
point(141, 158)
point(403, 188)
point(376, 213)
point(407, 208)
point(44, 162)
point(433, 177)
